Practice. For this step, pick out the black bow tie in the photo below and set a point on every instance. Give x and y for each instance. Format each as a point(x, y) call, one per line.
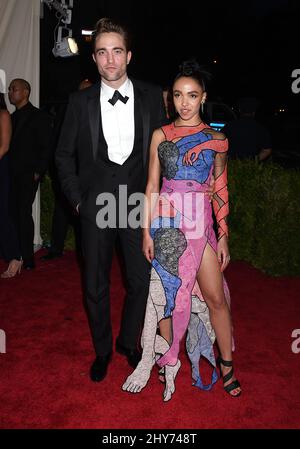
point(117, 96)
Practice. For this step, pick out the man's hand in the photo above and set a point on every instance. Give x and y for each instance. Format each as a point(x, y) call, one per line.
point(36, 177)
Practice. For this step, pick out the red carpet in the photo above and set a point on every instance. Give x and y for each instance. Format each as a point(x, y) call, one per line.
point(44, 374)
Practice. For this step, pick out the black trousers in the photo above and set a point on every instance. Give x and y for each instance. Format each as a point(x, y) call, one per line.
point(9, 244)
point(22, 197)
point(98, 249)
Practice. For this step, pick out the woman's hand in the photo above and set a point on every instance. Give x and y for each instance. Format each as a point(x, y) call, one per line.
point(148, 247)
point(190, 157)
point(223, 252)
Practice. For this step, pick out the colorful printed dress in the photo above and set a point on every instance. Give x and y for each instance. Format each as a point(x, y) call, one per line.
point(181, 227)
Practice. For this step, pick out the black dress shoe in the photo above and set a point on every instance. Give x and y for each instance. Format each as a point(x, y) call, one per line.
point(51, 255)
point(133, 355)
point(99, 368)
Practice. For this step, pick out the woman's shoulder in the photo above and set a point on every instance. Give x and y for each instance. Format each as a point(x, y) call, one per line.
point(159, 135)
point(217, 135)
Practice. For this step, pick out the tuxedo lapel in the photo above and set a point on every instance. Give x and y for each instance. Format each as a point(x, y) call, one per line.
point(141, 101)
point(95, 117)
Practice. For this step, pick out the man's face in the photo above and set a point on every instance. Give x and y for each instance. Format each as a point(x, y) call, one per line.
point(111, 58)
point(17, 93)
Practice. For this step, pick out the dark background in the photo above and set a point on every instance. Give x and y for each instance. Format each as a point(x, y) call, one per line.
point(254, 43)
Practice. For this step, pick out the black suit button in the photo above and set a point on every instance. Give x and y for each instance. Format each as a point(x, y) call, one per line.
point(113, 175)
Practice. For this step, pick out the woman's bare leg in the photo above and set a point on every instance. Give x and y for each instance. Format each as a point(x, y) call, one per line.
point(210, 280)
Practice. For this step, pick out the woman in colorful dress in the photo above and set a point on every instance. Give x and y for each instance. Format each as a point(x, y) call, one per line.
point(180, 242)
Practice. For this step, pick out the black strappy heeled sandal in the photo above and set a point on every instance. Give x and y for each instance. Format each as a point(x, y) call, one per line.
point(235, 383)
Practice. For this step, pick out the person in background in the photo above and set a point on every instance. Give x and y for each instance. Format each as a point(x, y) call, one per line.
point(84, 84)
point(9, 245)
point(248, 139)
point(30, 150)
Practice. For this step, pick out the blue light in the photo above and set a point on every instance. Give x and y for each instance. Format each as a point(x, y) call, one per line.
point(217, 126)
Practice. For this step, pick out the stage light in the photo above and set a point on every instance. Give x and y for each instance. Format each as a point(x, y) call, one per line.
point(65, 47)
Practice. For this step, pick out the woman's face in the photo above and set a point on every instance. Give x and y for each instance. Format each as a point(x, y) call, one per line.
point(188, 95)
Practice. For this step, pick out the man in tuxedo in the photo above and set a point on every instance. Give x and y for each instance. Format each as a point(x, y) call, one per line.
point(30, 150)
point(106, 134)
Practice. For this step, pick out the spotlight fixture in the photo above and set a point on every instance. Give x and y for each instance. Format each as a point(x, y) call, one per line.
point(65, 46)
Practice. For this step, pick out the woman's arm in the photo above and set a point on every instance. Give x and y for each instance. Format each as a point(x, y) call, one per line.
point(151, 193)
point(220, 204)
point(5, 132)
point(220, 195)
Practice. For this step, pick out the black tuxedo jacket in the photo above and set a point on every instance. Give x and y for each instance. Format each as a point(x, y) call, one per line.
point(76, 154)
point(31, 142)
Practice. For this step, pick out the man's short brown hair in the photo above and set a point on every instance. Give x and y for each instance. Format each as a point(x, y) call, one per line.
point(106, 25)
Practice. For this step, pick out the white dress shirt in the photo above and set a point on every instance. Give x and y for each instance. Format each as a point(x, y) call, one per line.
point(118, 122)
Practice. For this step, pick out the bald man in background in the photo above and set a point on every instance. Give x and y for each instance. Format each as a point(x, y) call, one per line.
point(30, 152)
